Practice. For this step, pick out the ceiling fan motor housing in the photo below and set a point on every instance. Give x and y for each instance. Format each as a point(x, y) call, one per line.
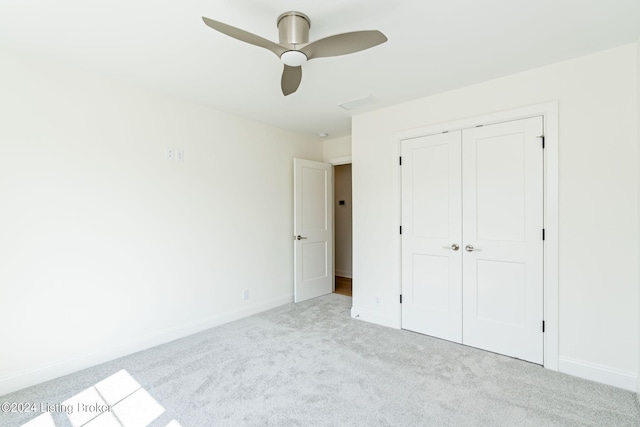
point(293, 28)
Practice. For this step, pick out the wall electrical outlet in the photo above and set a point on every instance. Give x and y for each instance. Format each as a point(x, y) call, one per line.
point(179, 154)
point(378, 300)
point(170, 153)
point(245, 295)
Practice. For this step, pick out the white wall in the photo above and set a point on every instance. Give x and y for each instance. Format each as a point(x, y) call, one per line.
point(106, 247)
point(598, 200)
point(337, 150)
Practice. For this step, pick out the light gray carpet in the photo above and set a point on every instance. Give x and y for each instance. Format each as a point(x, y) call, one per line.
point(310, 364)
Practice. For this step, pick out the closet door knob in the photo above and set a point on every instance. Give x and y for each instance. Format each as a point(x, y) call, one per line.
point(469, 248)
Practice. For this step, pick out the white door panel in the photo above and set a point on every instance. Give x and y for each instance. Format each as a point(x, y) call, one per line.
point(314, 260)
point(499, 187)
point(429, 171)
point(503, 221)
point(431, 280)
point(432, 291)
point(314, 206)
point(496, 282)
point(313, 232)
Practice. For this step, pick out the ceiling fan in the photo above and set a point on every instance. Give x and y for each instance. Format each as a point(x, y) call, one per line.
point(294, 48)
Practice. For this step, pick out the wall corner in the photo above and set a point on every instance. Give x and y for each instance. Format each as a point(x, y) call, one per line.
point(638, 170)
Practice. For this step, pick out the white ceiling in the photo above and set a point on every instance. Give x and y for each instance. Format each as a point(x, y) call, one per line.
point(433, 46)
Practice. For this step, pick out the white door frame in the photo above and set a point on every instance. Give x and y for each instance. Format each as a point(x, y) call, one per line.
point(549, 112)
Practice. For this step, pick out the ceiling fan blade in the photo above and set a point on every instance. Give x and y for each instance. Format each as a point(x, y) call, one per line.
point(245, 36)
point(291, 77)
point(342, 44)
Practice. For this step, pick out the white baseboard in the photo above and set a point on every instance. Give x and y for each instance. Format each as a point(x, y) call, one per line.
point(598, 373)
point(343, 273)
point(375, 317)
point(46, 372)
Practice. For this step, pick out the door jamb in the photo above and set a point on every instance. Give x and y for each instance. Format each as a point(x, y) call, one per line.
point(549, 112)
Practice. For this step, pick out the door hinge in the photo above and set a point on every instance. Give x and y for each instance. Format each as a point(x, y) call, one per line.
point(400, 160)
point(400, 229)
point(542, 138)
point(543, 234)
point(400, 298)
point(543, 326)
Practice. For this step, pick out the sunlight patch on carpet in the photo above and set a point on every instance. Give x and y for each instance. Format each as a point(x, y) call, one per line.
point(116, 401)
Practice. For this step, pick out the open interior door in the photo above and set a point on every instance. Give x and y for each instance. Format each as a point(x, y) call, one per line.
point(312, 229)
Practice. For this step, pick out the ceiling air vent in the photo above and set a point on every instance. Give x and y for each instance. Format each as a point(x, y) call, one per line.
point(356, 103)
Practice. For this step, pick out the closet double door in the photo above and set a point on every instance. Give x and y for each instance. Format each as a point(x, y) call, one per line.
point(472, 237)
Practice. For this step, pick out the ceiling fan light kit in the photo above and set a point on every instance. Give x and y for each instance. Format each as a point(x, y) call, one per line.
point(293, 58)
point(294, 48)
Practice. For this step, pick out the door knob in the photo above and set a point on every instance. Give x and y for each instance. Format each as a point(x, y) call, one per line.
point(453, 247)
point(469, 248)
point(298, 237)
